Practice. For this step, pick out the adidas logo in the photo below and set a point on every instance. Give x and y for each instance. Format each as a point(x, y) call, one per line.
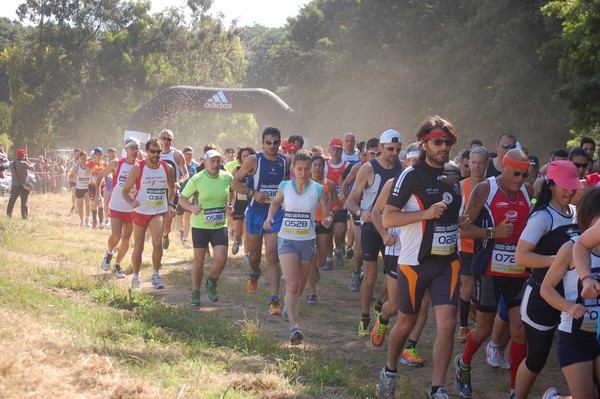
point(218, 101)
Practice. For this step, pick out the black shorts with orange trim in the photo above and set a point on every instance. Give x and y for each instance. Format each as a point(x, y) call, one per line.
point(440, 278)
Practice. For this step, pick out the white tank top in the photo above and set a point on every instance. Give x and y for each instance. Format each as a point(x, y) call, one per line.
point(299, 211)
point(82, 181)
point(571, 283)
point(151, 186)
point(169, 158)
point(117, 202)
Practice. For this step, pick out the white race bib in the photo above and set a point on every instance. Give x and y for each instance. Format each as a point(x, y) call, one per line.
point(444, 239)
point(296, 224)
point(214, 216)
point(503, 259)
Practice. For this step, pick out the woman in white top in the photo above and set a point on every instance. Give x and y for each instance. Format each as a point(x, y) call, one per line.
point(577, 347)
point(300, 198)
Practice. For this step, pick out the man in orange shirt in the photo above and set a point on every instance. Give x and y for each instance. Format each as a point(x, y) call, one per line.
point(96, 165)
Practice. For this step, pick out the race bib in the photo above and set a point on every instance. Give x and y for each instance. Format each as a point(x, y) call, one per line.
point(241, 197)
point(156, 197)
point(503, 259)
point(444, 239)
point(590, 319)
point(296, 224)
point(84, 180)
point(214, 216)
point(270, 190)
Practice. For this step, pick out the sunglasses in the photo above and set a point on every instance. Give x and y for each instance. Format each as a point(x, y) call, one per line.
point(580, 165)
point(374, 152)
point(393, 149)
point(439, 141)
point(166, 139)
point(519, 174)
point(272, 142)
point(154, 151)
point(508, 146)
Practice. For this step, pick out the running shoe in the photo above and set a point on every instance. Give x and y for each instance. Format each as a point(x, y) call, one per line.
point(339, 258)
point(195, 298)
point(551, 393)
point(364, 327)
point(252, 282)
point(411, 358)
point(284, 314)
point(165, 242)
point(312, 299)
point(296, 336)
point(376, 312)
point(106, 261)
point(275, 307)
point(495, 357)
point(72, 209)
point(328, 264)
point(512, 394)
point(439, 394)
point(378, 332)
point(246, 258)
point(101, 226)
point(87, 223)
point(462, 378)
point(107, 222)
point(136, 282)
point(82, 224)
point(354, 282)
point(157, 282)
point(350, 253)
point(94, 225)
point(462, 334)
point(211, 290)
point(116, 270)
point(387, 384)
point(235, 248)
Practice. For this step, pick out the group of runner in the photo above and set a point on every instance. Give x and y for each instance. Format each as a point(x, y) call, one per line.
point(451, 233)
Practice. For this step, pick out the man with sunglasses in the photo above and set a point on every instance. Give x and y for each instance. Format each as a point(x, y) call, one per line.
point(119, 211)
point(370, 179)
point(264, 170)
point(371, 152)
point(175, 158)
point(505, 141)
point(500, 208)
point(154, 182)
point(425, 202)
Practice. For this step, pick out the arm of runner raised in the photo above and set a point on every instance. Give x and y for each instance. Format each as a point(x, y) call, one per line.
point(129, 183)
point(553, 277)
point(273, 208)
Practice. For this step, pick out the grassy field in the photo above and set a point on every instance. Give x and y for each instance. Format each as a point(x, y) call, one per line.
point(72, 330)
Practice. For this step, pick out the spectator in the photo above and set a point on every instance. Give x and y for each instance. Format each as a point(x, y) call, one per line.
point(19, 168)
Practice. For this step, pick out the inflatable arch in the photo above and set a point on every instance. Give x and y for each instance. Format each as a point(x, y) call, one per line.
point(268, 108)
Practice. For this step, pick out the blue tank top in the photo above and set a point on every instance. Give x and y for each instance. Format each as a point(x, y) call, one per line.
point(267, 177)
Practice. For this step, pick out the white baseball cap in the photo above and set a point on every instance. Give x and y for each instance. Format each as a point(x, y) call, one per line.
point(390, 136)
point(212, 153)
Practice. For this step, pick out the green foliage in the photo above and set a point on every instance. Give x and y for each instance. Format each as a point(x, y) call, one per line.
point(366, 66)
point(579, 47)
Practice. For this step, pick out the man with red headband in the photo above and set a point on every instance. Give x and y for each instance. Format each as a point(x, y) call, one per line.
point(499, 208)
point(425, 201)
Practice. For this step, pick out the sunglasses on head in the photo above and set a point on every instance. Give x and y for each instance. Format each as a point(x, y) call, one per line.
point(519, 174)
point(272, 142)
point(154, 151)
point(508, 146)
point(166, 139)
point(392, 149)
point(439, 141)
point(580, 165)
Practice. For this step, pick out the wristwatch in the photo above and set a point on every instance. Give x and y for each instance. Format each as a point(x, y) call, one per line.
point(489, 233)
point(358, 213)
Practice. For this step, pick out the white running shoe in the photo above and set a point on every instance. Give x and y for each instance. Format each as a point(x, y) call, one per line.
point(157, 282)
point(136, 282)
point(106, 261)
point(551, 393)
point(495, 357)
point(116, 269)
point(235, 248)
point(87, 222)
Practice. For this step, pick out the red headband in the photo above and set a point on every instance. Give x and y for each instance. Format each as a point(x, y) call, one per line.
point(516, 165)
point(435, 135)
